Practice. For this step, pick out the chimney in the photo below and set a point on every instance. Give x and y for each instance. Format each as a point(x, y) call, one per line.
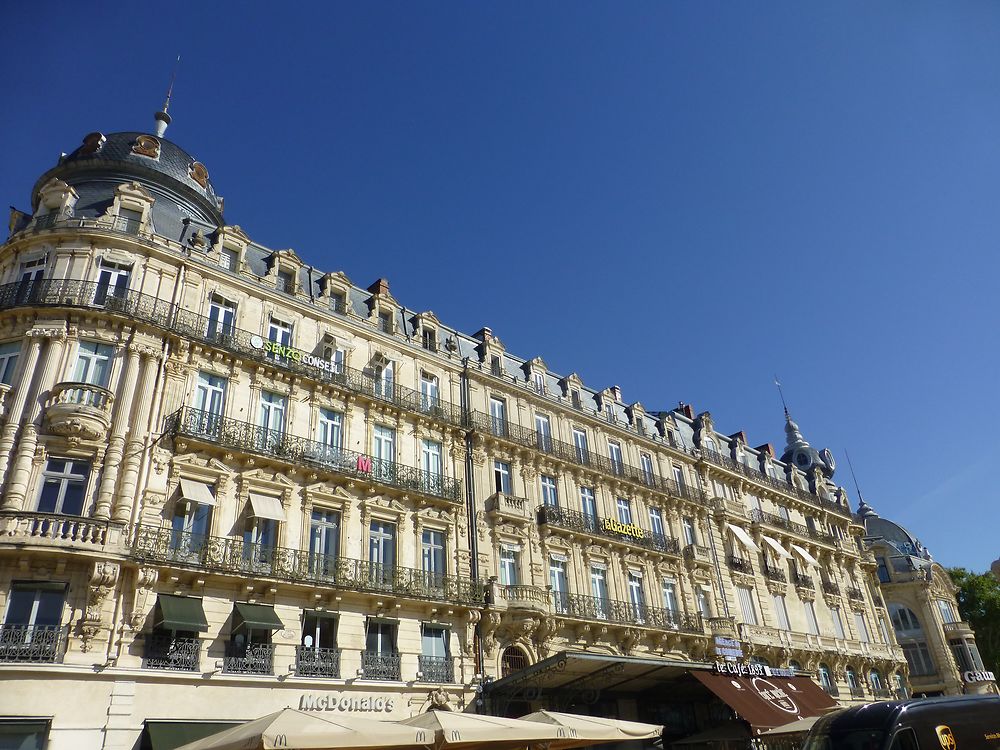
point(766, 449)
point(484, 334)
point(381, 286)
point(686, 409)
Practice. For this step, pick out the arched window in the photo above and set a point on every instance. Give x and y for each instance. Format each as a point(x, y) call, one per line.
point(826, 680)
point(792, 664)
point(875, 680)
point(852, 680)
point(905, 621)
point(512, 660)
point(760, 660)
point(910, 635)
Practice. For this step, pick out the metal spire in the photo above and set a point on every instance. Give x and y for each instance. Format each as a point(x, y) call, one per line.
point(781, 394)
point(864, 509)
point(161, 117)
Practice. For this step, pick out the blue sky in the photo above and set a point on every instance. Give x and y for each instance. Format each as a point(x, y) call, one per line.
point(682, 198)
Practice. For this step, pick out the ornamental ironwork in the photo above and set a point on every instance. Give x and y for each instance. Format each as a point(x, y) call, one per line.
point(36, 644)
point(248, 658)
point(317, 662)
point(436, 668)
point(378, 665)
point(154, 544)
point(624, 613)
point(610, 528)
point(164, 651)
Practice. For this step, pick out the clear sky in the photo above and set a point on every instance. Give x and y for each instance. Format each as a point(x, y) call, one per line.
point(682, 198)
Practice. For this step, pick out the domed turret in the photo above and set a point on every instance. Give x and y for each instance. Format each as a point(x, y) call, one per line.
point(803, 456)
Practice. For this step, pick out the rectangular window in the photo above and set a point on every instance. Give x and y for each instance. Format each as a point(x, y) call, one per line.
point(93, 363)
point(576, 399)
point(918, 657)
point(557, 579)
point(221, 318)
point(624, 507)
point(432, 557)
point(838, 623)
point(783, 513)
point(679, 477)
point(429, 339)
point(64, 483)
point(430, 460)
point(229, 258)
point(324, 541)
point(272, 418)
point(747, 607)
point(543, 431)
point(338, 302)
point(946, 610)
point(780, 612)
point(550, 495)
point(429, 392)
point(260, 537)
point(434, 642)
point(8, 361)
point(599, 591)
point(812, 624)
point(319, 631)
point(588, 506)
point(646, 462)
point(496, 367)
point(501, 477)
point(498, 416)
point(690, 534)
point(285, 282)
point(636, 597)
point(383, 452)
point(656, 522)
point(384, 377)
point(381, 640)
point(508, 566)
point(112, 284)
point(385, 322)
point(615, 454)
point(280, 333)
point(330, 432)
point(580, 442)
point(382, 547)
point(539, 381)
point(34, 616)
point(670, 595)
point(189, 527)
point(862, 626)
point(704, 602)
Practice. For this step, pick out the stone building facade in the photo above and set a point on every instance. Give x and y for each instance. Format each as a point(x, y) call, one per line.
point(231, 483)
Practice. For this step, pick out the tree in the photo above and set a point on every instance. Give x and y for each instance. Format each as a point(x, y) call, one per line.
point(979, 604)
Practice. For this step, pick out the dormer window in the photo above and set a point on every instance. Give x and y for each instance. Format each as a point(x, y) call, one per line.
point(129, 220)
point(385, 322)
point(538, 380)
point(229, 258)
point(338, 303)
point(495, 367)
point(428, 339)
point(577, 400)
point(285, 282)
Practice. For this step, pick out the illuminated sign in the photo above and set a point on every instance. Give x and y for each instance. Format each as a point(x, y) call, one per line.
point(978, 676)
point(346, 703)
point(627, 529)
point(295, 355)
point(364, 465)
point(751, 670)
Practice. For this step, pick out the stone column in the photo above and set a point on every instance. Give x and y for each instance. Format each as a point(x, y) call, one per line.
point(20, 473)
point(20, 395)
point(136, 443)
point(116, 440)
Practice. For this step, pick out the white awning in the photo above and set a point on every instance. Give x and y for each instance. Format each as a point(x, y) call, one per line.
point(806, 557)
point(775, 545)
point(744, 538)
point(197, 492)
point(265, 506)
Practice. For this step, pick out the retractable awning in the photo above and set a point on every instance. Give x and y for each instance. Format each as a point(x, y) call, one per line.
point(180, 613)
point(768, 702)
point(775, 545)
point(806, 557)
point(169, 735)
point(744, 537)
point(197, 492)
point(265, 506)
point(258, 616)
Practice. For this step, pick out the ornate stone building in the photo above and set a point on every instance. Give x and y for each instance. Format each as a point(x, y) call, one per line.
point(231, 483)
point(940, 648)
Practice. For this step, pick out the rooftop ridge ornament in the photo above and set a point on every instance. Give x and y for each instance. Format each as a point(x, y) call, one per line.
point(161, 117)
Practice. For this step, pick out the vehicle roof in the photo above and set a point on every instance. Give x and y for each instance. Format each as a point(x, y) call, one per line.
point(885, 714)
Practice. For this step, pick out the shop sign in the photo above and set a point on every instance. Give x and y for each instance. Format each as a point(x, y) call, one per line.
point(775, 695)
point(346, 703)
point(295, 355)
point(747, 669)
point(978, 677)
point(626, 529)
point(728, 648)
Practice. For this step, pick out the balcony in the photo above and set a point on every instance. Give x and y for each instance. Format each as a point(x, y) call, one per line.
point(802, 581)
point(609, 528)
point(957, 628)
point(829, 587)
point(144, 308)
point(528, 438)
point(254, 658)
point(79, 410)
point(235, 557)
point(377, 665)
point(33, 644)
point(698, 554)
point(853, 592)
point(64, 532)
point(509, 507)
point(436, 668)
point(625, 613)
point(210, 428)
point(725, 505)
point(523, 597)
point(778, 522)
point(857, 691)
point(740, 564)
point(317, 662)
point(164, 652)
point(774, 574)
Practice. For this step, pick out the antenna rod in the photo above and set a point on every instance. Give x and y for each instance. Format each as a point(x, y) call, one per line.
point(161, 117)
point(853, 476)
point(782, 394)
point(170, 88)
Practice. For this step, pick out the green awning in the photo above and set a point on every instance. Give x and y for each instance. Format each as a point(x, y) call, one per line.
point(168, 735)
point(259, 616)
point(180, 613)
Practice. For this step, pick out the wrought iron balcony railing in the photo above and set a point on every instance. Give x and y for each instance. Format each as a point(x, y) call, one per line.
point(247, 344)
point(740, 564)
point(853, 592)
point(857, 691)
point(759, 516)
point(153, 544)
point(252, 658)
point(775, 574)
point(609, 528)
point(34, 644)
point(832, 690)
point(250, 438)
point(436, 668)
point(581, 456)
point(802, 581)
point(625, 613)
point(378, 665)
point(317, 662)
point(830, 587)
point(166, 652)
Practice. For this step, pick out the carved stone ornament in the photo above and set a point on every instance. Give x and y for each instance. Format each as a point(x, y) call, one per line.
point(102, 583)
point(439, 700)
point(146, 145)
point(198, 173)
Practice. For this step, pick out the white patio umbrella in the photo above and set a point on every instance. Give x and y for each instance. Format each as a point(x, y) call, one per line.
point(578, 730)
point(290, 728)
point(454, 730)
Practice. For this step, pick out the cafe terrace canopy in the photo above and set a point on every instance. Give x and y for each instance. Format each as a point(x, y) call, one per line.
point(290, 728)
point(454, 730)
point(579, 730)
point(769, 701)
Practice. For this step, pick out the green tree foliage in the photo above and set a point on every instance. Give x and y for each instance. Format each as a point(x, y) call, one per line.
point(979, 604)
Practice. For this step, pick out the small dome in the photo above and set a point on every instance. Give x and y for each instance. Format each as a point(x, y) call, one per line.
point(892, 533)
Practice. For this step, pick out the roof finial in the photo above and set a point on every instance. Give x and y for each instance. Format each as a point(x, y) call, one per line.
point(782, 394)
point(161, 117)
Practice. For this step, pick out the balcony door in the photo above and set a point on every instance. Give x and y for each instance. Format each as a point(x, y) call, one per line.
point(429, 393)
point(432, 559)
point(498, 416)
point(543, 429)
point(112, 282)
point(560, 587)
point(221, 318)
point(32, 627)
point(382, 552)
point(209, 402)
point(431, 463)
point(189, 528)
point(271, 419)
point(324, 542)
point(380, 660)
point(599, 590)
point(30, 282)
